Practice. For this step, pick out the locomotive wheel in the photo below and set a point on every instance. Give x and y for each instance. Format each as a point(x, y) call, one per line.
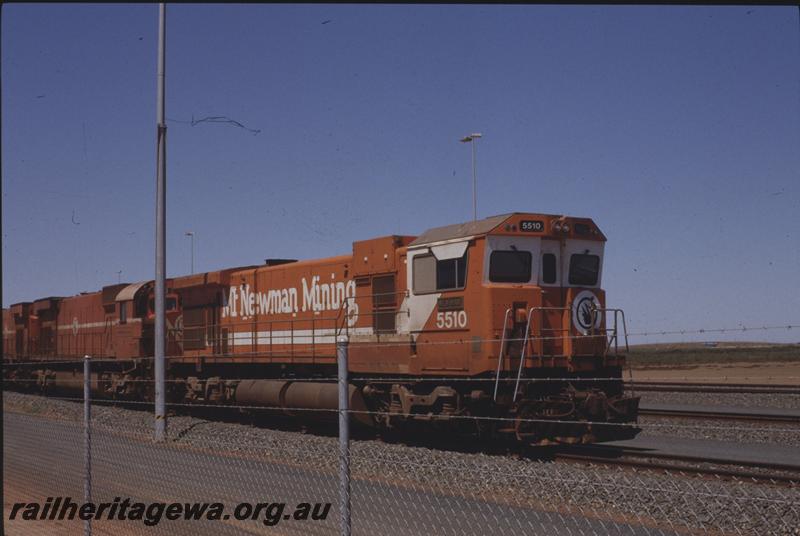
point(530, 425)
point(525, 429)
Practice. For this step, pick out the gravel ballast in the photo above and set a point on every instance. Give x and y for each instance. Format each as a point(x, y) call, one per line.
point(747, 431)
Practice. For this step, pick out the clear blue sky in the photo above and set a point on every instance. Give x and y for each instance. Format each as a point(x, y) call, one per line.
point(676, 128)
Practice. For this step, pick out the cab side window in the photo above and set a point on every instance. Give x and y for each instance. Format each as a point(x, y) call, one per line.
point(424, 279)
point(433, 275)
point(451, 273)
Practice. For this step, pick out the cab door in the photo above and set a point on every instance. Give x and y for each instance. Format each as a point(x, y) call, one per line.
point(551, 281)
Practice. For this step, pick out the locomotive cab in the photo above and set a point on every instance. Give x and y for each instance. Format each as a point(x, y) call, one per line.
point(543, 279)
point(532, 279)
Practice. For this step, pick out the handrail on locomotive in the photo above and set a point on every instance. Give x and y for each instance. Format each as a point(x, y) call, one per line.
point(611, 337)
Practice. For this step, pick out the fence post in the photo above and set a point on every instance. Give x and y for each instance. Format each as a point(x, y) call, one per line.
point(87, 442)
point(344, 436)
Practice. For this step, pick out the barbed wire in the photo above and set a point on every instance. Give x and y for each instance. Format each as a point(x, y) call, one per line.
point(713, 330)
point(355, 343)
point(468, 379)
point(434, 417)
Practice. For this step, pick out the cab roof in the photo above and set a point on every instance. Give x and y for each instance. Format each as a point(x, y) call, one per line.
point(460, 230)
point(550, 225)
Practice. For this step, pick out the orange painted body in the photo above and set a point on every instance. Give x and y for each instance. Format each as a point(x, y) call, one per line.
point(292, 312)
point(9, 335)
point(82, 327)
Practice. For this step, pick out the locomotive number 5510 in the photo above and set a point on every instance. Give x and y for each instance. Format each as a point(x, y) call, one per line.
point(451, 319)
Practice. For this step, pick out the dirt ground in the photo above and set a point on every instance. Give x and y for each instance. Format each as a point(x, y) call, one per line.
point(785, 373)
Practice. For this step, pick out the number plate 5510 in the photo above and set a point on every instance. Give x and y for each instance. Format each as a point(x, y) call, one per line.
point(451, 320)
point(531, 226)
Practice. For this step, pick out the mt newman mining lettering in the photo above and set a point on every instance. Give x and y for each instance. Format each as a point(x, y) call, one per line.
point(241, 301)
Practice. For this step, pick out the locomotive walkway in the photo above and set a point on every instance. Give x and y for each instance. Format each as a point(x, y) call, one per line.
point(45, 459)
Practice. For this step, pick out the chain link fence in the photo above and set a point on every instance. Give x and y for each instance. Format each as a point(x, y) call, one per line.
point(240, 478)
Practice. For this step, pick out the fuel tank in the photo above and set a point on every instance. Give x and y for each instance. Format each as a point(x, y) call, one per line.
point(303, 400)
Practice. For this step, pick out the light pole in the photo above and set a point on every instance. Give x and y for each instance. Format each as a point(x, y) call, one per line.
point(119, 276)
point(471, 139)
point(191, 235)
point(160, 331)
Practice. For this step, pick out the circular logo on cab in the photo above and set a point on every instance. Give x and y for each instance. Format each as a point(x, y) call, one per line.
point(582, 312)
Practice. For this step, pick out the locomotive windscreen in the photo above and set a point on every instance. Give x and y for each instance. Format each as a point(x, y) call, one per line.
point(583, 269)
point(510, 266)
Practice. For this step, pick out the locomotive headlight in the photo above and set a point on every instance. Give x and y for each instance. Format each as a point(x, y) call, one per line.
point(565, 228)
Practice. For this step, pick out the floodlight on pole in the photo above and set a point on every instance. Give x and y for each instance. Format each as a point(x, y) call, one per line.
point(191, 234)
point(471, 139)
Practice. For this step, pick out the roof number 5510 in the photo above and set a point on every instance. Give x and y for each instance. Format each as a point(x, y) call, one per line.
point(451, 319)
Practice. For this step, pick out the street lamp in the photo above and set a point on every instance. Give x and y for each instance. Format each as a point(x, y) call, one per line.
point(119, 276)
point(160, 327)
point(191, 234)
point(471, 139)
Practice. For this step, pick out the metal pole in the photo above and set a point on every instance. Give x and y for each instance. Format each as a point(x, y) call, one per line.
point(87, 442)
point(471, 139)
point(344, 436)
point(190, 234)
point(161, 194)
point(474, 185)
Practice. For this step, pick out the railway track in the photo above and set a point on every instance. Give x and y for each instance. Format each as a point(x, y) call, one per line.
point(767, 472)
point(698, 387)
point(710, 413)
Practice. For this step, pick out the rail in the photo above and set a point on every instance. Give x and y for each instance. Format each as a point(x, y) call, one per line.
point(767, 472)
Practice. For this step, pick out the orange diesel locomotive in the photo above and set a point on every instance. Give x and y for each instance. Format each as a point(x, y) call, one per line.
point(501, 317)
